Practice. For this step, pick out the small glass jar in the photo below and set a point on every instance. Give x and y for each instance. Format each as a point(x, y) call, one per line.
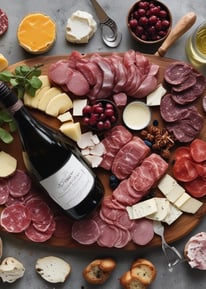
point(196, 48)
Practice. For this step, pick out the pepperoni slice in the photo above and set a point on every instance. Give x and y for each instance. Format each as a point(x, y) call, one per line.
point(19, 184)
point(184, 170)
point(4, 23)
point(4, 192)
point(197, 187)
point(15, 218)
point(198, 150)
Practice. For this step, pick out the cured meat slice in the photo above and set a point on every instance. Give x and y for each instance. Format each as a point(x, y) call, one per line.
point(120, 73)
point(58, 72)
point(88, 68)
point(182, 152)
point(85, 231)
point(39, 210)
point(196, 188)
point(44, 225)
point(177, 72)
point(184, 170)
point(4, 191)
point(204, 103)
point(19, 184)
point(188, 82)
point(15, 218)
point(36, 236)
point(198, 150)
point(142, 232)
point(192, 93)
point(122, 195)
point(4, 22)
point(188, 128)
point(124, 238)
point(77, 83)
point(109, 235)
point(128, 157)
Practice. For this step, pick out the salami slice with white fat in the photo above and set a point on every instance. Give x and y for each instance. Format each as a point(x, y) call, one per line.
point(177, 72)
point(39, 210)
point(15, 218)
point(4, 192)
point(4, 23)
point(36, 236)
point(19, 184)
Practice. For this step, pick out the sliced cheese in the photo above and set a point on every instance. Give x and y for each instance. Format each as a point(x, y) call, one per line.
point(34, 102)
point(163, 206)
point(93, 160)
point(36, 33)
point(78, 105)
point(47, 96)
point(154, 98)
point(27, 99)
point(172, 215)
point(72, 130)
point(181, 200)
point(142, 209)
point(58, 104)
point(45, 80)
point(191, 206)
point(67, 116)
point(85, 140)
point(8, 164)
point(170, 188)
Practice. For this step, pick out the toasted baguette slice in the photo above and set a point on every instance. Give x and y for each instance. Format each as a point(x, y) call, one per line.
point(53, 269)
point(130, 282)
point(99, 270)
point(144, 270)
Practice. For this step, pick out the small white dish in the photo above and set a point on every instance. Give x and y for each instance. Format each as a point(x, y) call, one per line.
point(136, 115)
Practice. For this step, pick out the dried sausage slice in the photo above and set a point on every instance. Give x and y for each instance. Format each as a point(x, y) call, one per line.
point(198, 150)
point(85, 231)
point(4, 192)
point(15, 218)
point(184, 170)
point(197, 187)
point(19, 184)
point(4, 23)
point(177, 72)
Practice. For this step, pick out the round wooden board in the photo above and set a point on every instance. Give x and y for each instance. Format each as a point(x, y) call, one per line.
point(183, 226)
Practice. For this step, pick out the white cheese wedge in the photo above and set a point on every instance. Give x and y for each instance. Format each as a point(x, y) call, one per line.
point(11, 270)
point(85, 140)
point(67, 116)
point(181, 200)
point(71, 130)
point(170, 188)
point(60, 103)
point(97, 150)
point(47, 96)
point(80, 27)
point(8, 164)
point(154, 98)
point(78, 105)
point(45, 80)
point(191, 206)
point(142, 209)
point(163, 206)
point(172, 215)
point(94, 160)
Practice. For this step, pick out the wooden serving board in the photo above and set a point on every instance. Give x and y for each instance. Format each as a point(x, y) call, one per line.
point(184, 225)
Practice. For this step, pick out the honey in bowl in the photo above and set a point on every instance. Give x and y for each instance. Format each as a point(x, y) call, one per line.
point(196, 48)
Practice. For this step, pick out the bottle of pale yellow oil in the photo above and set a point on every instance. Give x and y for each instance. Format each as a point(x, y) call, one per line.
point(196, 48)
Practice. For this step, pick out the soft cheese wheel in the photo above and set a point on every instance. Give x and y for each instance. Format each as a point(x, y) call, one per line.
point(36, 33)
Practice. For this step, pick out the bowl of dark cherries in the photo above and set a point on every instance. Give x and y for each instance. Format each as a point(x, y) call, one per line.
point(149, 22)
point(101, 115)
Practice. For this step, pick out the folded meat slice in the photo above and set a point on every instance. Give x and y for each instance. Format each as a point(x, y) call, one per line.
point(148, 173)
point(129, 157)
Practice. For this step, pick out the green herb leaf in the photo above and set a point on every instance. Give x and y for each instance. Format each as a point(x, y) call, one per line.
point(5, 136)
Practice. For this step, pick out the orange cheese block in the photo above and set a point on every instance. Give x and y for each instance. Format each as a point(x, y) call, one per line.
point(36, 33)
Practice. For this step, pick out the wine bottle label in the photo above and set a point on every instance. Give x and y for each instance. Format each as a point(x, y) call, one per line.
point(70, 185)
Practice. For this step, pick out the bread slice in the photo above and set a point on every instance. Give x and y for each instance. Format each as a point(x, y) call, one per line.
point(53, 269)
point(11, 270)
point(144, 270)
point(99, 270)
point(131, 282)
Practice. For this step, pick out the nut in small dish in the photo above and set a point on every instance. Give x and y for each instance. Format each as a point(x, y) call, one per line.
point(149, 22)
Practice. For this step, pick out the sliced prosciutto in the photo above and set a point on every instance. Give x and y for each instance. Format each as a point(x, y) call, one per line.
point(128, 157)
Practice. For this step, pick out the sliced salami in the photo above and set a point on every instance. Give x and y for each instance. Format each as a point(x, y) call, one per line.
point(15, 218)
point(39, 210)
point(198, 150)
point(177, 72)
point(4, 192)
point(4, 22)
point(85, 231)
point(36, 236)
point(109, 235)
point(19, 184)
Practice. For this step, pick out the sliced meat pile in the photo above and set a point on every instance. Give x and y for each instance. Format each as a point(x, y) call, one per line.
point(111, 226)
point(100, 77)
point(177, 108)
point(190, 167)
point(26, 210)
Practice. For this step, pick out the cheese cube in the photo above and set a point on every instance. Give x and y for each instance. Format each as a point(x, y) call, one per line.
point(142, 209)
point(67, 116)
point(191, 206)
point(72, 130)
